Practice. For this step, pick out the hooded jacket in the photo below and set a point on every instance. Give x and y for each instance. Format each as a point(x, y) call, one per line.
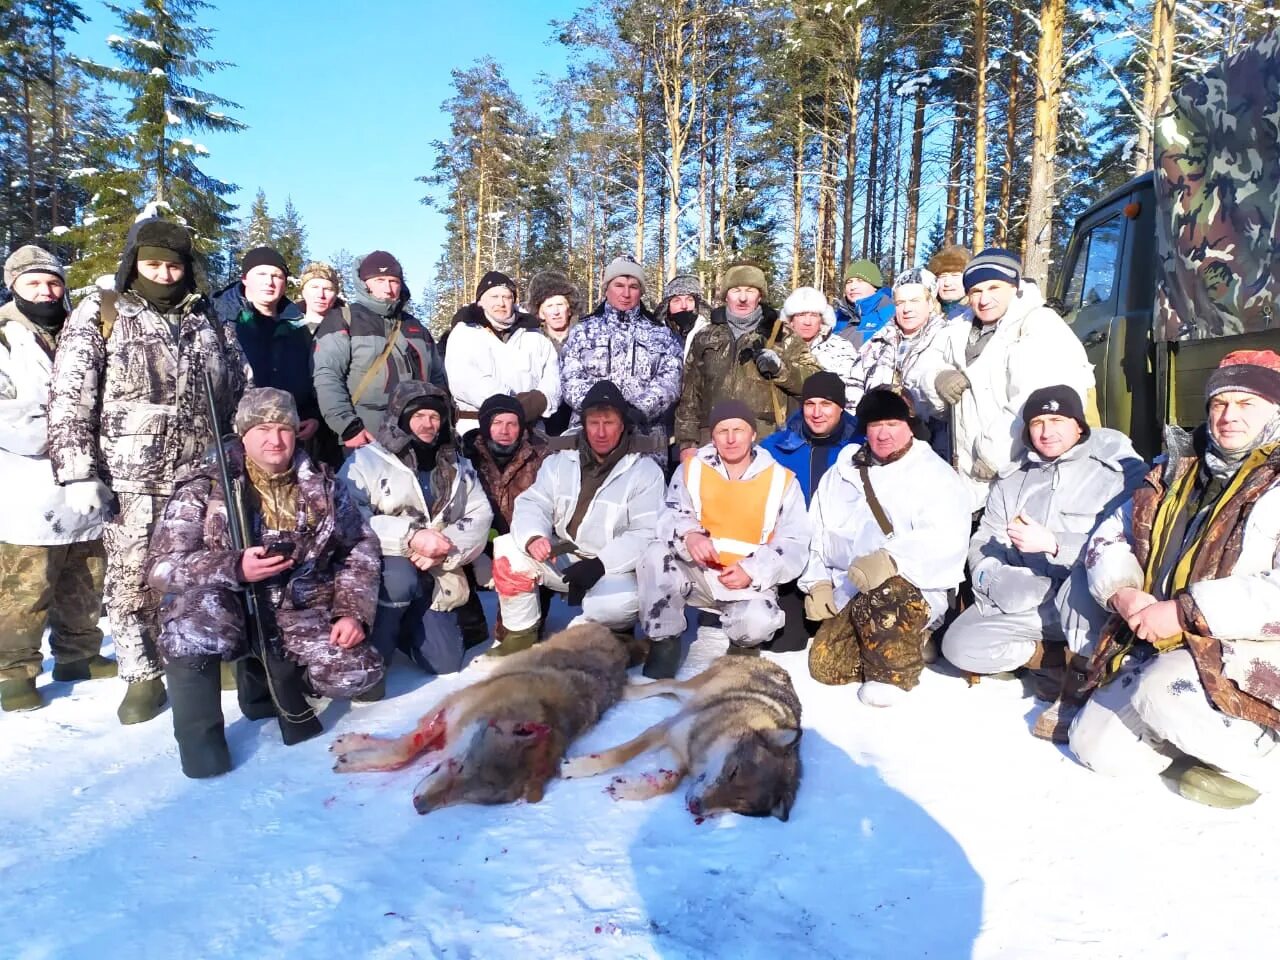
point(35, 512)
point(349, 341)
point(480, 363)
point(792, 448)
point(703, 310)
point(279, 349)
point(858, 322)
point(131, 410)
point(383, 478)
point(721, 367)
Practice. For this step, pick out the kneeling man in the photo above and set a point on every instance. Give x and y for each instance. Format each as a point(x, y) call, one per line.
point(581, 527)
point(314, 569)
point(1188, 664)
point(733, 529)
point(890, 526)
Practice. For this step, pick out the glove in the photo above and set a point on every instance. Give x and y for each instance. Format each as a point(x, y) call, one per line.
point(769, 364)
point(867, 573)
point(820, 604)
point(534, 405)
point(507, 582)
point(581, 577)
point(1015, 589)
point(951, 385)
point(87, 496)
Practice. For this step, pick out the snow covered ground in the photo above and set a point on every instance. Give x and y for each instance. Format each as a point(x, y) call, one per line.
point(940, 828)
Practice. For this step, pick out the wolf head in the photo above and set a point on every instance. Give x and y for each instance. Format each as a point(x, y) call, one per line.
point(755, 775)
point(495, 761)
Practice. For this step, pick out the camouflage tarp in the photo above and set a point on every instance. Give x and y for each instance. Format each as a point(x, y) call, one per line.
point(1217, 182)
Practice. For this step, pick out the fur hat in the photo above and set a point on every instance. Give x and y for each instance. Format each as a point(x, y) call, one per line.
point(731, 410)
point(950, 259)
point(1059, 401)
point(682, 285)
point(494, 278)
point(380, 264)
point(864, 270)
point(316, 270)
point(885, 403)
point(623, 266)
point(1246, 371)
point(552, 283)
point(744, 275)
point(32, 259)
point(993, 263)
point(265, 405)
point(808, 300)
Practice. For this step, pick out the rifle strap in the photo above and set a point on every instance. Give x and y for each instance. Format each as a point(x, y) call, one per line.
point(376, 367)
point(877, 509)
point(107, 313)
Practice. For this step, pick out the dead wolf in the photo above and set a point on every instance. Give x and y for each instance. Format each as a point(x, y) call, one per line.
point(502, 738)
point(737, 734)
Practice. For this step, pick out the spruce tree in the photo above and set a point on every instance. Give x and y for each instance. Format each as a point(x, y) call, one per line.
point(290, 237)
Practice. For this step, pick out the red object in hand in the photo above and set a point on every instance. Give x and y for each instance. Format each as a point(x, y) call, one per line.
point(507, 582)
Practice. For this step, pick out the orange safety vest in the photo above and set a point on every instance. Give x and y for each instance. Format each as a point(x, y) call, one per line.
point(739, 515)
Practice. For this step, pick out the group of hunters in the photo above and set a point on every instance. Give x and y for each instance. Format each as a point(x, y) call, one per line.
point(276, 497)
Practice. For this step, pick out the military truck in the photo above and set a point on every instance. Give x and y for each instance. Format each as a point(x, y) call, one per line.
point(1178, 267)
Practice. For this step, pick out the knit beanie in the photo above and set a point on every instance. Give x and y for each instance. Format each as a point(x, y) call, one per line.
point(950, 259)
point(732, 410)
point(917, 276)
point(624, 266)
point(265, 405)
point(824, 385)
point(885, 403)
point(1056, 401)
point(494, 278)
point(744, 275)
point(993, 263)
point(316, 270)
point(682, 285)
point(499, 403)
point(1246, 371)
point(263, 257)
point(380, 264)
point(604, 393)
point(32, 259)
point(864, 270)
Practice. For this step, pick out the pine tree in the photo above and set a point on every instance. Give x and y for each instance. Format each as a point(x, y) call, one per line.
point(290, 237)
point(258, 229)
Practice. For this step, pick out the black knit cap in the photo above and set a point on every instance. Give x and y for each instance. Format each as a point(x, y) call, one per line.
point(885, 403)
point(499, 403)
point(380, 264)
point(1056, 401)
point(605, 393)
point(824, 385)
point(732, 410)
point(263, 257)
point(494, 278)
point(430, 401)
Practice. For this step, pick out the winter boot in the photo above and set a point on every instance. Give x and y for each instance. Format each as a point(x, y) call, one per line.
point(20, 693)
point(251, 688)
point(375, 693)
point(737, 650)
point(664, 659)
point(297, 718)
point(1213, 788)
point(471, 620)
point(229, 673)
point(513, 641)
point(142, 701)
point(195, 686)
point(96, 667)
point(1055, 723)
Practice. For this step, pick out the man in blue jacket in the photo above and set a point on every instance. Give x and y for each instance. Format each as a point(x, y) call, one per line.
point(867, 304)
point(809, 445)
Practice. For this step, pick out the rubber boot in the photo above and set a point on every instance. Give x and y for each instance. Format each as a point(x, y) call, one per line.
point(471, 619)
point(664, 659)
point(230, 675)
point(196, 690)
point(251, 688)
point(96, 667)
point(142, 701)
point(637, 647)
point(296, 716)
point(513, 641)
point(1214, 788)
point(20, 693)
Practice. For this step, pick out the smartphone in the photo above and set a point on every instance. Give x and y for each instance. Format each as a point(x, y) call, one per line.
point(282, 548)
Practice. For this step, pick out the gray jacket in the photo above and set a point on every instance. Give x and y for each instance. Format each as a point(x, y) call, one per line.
point(1070, 495)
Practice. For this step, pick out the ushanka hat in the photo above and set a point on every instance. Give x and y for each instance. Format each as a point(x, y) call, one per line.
point(885, 403)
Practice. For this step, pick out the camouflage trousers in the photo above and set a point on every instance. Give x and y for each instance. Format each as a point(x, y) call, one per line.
point(879, 635)
point(60, 585)
point(131, 604)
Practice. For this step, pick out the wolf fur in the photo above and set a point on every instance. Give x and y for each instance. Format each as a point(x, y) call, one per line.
point(736, 735)
point(502, 738)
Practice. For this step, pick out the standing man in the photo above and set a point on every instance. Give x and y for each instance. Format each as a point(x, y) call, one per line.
point(948, 266)
point(867, 304)
point(51, 560)
point(358, 363)
point(622, 342)
point(128, 411)
point(683, 310)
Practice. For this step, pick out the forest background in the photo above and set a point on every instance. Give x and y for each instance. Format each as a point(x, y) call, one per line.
point(687, 133)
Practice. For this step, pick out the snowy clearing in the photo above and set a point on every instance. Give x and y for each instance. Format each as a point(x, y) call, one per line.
point(937, 829)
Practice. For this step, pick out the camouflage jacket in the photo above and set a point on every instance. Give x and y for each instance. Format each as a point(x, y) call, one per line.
point(336, 569)
point(503, 484)
point(131, 410)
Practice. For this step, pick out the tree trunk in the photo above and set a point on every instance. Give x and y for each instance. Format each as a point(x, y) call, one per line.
point(854, 88)
point(1005, 213)
point(893, 137)
point(640, 176)
point(825, 281)
point(1156, 79)
point(954, 178)
point(913, 180)
point(482, 150)
point(1037, 244)
point(980, 125)
point(797, 195)
point(29, 144)
point(873, 174)
point(55, 126)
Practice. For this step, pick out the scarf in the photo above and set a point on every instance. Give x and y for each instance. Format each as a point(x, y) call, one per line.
point(164, 297)
point(682, 322)
point(504, 453)
point(979, 337)
point(48, 315)
point(741, 326)
point(594, 472)
point(276, 496)
point(500, 327)
point(1223, 465)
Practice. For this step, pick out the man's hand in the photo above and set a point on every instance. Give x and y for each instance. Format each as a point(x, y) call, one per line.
point(346, 632)
point(820, 604)
point(430, 543)
point(868, 572)
point(86, 496)
point(1157, 621)
point(1031, 537)
point(1129, 601)
point(701, 549)
point(539, 548)
point(735, 578)
point(359, 440)
point(951, 385)
point(307, 428)
point(507, 582)
point(768, 363)
point(423, 563)
point(255, 566)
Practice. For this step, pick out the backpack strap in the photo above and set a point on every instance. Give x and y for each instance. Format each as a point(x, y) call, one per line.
point(107, 312)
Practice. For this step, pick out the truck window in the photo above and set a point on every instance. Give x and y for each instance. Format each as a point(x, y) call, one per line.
point(1093, 277)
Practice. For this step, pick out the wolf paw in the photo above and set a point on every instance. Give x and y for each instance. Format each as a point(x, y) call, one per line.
point(587, 765)
point(350, 741)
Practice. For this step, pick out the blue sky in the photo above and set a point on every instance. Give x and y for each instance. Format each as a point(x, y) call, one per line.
point(343, 100)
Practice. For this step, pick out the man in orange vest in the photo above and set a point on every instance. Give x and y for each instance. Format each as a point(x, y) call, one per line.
point(732, 529)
